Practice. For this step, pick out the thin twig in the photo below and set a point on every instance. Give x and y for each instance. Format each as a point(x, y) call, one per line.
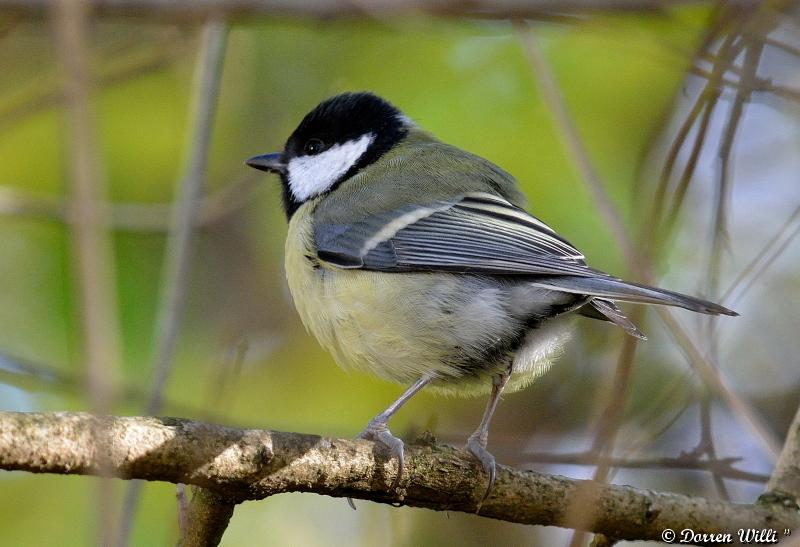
point(720, 224)
point(713, 377)
point(707, 447)
point(643, 269)
point(723, 466)
point(712, 92)
point(220, 387)
point(33, 376)
point(719, 238)
point(91, 243)
point(787, 48)
point(178, 253)
point(769, 253)
point(571, 137)
point(133, 217)
point(704, 104)
point(591, 178)
point(183, 509)
point(617, 394)
point(761, 85)
point(33, 99)
point(582, 512)
point(190, 193)
point(660, 230)
point(662, 403)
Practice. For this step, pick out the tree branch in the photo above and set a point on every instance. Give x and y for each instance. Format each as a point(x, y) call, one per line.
point(723, 467)
point(207, 518)
point(130, 216)
point(786, 476)
point(248, 464)
point(180, 249)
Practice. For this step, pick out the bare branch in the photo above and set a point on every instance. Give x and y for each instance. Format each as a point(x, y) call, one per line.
point(208, 517)
point(183, 509)
point(724, 467)
point(718, 383)
point(704, 104)
point(179, 245)
point(92, 254)
point(719, 240)
point(767, 256)
point(639, 263)
point(572, 140)
point(38, 377)
point(94, 264)
point(43, 94)
point(786, 475)
point(583, 511)
point(238, 465)
point(179, 249)
point(129, 216)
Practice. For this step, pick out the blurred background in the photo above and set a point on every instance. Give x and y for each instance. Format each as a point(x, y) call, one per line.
point(141, 264)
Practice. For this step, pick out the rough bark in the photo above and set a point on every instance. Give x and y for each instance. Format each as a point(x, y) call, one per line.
point(207, 519)
point(785, 479)
point(248, 464)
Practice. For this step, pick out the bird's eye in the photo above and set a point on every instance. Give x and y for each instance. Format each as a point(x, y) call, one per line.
point(313, 146)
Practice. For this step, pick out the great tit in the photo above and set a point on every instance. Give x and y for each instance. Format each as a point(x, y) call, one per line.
point(416, 261)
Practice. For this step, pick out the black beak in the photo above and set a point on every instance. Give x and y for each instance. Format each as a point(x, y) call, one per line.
point(271, 163)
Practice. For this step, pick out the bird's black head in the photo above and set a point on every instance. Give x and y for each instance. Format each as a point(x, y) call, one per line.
point(341, 136)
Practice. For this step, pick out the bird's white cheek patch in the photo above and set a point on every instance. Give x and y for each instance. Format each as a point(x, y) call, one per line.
point(311, 175)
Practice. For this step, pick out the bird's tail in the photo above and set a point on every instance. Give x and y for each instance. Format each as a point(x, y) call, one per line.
point(606, 310)
point(615, 289)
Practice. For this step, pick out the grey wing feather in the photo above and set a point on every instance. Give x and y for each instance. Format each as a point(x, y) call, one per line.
point(346, 245)
point(484, 233)
point(478, 233)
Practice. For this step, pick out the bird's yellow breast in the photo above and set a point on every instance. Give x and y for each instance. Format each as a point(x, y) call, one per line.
point(365, 319)
point(401, 326)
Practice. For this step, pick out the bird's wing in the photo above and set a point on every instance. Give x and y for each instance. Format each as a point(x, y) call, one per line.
point(477, 233)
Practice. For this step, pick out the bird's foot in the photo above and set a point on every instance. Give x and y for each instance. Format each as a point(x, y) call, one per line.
point(378, 432)
point(476, 445)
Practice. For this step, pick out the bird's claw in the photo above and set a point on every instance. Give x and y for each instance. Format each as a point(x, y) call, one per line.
point(477, 447)
point(379, 432)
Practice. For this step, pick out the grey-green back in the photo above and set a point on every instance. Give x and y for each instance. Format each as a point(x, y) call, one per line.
point(428, 206)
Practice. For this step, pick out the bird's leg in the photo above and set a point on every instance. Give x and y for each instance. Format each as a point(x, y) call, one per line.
point(378, 431)
point(476, 444)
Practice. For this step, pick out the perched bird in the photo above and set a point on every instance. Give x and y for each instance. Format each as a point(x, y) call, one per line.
point(415, 260)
